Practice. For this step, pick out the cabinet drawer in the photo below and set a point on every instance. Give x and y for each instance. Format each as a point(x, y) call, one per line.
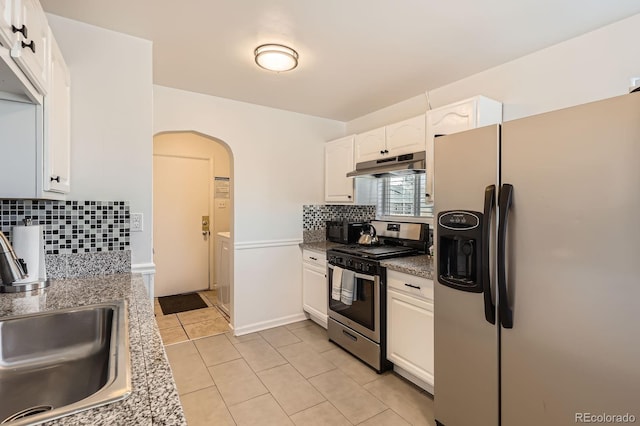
point(319, 259)
point(410, 284)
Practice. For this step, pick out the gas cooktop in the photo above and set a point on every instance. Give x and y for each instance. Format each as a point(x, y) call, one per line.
point(376, 252)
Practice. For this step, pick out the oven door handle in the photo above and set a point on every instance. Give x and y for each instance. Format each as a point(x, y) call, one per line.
point(374, 278)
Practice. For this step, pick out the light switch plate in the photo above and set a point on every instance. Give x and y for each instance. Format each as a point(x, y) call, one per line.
point(136, 222)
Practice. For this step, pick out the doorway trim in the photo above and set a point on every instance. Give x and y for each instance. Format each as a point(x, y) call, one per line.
point(231, 208)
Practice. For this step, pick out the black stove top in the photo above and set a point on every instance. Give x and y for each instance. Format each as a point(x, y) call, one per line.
point(376, 252)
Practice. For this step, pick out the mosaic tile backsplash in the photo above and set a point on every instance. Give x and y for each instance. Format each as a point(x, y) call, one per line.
point(72, 226)
point(315, 216)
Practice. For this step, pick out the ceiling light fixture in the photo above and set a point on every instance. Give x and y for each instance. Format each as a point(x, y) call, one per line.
point(276, 57)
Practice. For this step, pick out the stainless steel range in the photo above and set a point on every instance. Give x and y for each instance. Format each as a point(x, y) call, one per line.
point(357, 289)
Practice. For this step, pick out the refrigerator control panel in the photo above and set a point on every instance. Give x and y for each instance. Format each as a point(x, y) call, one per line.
point(459, 220)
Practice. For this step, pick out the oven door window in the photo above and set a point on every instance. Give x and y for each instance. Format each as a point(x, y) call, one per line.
point(361, 310)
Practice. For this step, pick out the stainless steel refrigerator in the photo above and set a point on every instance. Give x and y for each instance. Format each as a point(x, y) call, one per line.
point(537, 295)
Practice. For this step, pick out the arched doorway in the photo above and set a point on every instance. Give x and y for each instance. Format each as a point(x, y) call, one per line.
point(192, 210)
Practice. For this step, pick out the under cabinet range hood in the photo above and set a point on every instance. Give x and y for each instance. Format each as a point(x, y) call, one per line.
point(393, 166)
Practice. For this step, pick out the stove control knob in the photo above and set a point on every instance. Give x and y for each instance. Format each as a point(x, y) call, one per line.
point(358, 266)
point(350, 262)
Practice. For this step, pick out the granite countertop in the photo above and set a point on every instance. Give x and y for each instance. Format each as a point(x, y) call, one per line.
point(421, 266)
point(319, 246)
point(154, 398)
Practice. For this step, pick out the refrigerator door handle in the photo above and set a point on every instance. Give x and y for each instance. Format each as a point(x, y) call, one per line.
point(489, 202)
point(504, 205)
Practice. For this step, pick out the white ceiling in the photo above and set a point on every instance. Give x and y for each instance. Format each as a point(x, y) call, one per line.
point(356, 56)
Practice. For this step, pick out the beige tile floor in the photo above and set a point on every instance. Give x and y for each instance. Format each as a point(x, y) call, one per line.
point(289, 375)
point(184, 326)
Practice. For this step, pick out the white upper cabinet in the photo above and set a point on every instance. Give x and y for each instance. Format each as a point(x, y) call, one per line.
point(464, 115)
point(7, 36)
point(404, 137)
point(338, 161)
point(57, 125)
point(370, 145)
point(31, 52)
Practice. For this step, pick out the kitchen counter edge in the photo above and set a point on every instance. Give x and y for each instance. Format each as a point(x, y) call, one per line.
point(154, 398)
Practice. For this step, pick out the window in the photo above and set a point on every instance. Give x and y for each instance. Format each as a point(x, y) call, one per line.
point(403, 196)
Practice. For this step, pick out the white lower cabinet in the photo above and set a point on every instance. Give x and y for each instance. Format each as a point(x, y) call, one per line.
point(410, 327)
point(315, 294)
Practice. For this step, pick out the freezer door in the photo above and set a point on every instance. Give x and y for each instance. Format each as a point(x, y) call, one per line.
point(466, 344)
point(573, 257)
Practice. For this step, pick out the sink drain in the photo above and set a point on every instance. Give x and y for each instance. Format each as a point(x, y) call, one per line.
point(31, 411)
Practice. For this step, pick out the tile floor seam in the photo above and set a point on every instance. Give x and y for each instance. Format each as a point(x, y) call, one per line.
point(197, 390)
point(204, 362)
point(301, 373)
point(327, 399)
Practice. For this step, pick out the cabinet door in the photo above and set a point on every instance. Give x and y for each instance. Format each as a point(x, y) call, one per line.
point(338, 161)
point(315, 292)
point(370, 145)
point(57, 141)
point(410, 334)
point(406, 136)
point(7, 36)
point(449, 119)
point(31, 53)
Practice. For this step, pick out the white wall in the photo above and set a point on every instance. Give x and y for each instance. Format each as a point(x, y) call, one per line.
point(277, 167)
point(594, 66)
point(111, 119)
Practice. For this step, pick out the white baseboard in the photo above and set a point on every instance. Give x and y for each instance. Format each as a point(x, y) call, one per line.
point(148, 271)
point(259, 326)
point(413, 379)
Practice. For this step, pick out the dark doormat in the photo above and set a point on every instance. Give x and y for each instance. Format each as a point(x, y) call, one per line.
point(181, 303)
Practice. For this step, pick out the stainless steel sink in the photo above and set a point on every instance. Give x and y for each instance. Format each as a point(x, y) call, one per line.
point(57, 363)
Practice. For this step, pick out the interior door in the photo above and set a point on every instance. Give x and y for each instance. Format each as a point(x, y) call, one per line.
point(181, 188)
point(572, 264)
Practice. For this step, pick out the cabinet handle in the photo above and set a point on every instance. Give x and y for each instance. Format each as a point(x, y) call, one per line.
point(349, 196)
point(55, 179)
point(381, 152)
point(412, 286)
point(313, 258)
point(31, 45)
point(386, 151)
point(22, 30)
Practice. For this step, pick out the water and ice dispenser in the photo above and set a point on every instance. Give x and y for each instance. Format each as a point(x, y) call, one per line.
point(460, 250)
